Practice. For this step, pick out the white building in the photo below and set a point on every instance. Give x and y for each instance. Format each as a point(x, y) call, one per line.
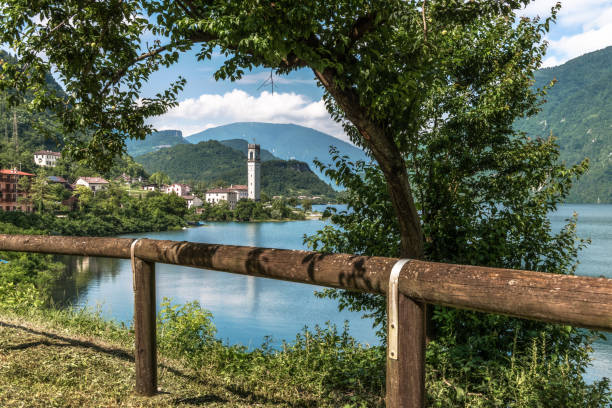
point(92, 183)
point(216, 195)
point(149, 187)
point(240, 189)
point(254, 172)
point(46, 158)
point(193, 201)
point(178, 189)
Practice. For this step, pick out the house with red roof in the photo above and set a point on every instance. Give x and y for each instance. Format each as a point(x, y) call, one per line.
point(216, 195)
point(241, 190)
point(11, 198)
point(92, 183)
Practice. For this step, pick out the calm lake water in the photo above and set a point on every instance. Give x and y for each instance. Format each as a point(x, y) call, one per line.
point(247, 309)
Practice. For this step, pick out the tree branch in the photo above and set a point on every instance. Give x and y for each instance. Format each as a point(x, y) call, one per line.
point(362, 26)
point(119, 74)
point(424, 20)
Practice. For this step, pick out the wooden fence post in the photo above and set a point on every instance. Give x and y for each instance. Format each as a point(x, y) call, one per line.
point(405, 347)
point(145, 353)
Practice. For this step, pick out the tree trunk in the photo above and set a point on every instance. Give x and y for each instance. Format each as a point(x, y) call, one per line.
point(390, 161)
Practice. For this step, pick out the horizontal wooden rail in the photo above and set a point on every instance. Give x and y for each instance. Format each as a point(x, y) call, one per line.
point(575, 300)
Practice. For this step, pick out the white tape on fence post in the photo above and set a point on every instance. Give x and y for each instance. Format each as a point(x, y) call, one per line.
point(132, 257)
point(393, 302)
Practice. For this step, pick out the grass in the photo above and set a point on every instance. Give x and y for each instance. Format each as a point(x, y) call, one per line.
point(54, 358)
point(43, 366)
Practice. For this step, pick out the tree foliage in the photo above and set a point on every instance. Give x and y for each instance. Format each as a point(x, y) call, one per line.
point(483, 191)
point(376, 60)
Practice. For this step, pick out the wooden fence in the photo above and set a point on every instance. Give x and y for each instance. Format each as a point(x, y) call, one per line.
point(409, 285)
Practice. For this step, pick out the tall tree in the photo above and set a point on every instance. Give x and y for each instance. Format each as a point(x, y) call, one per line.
point(376, 61)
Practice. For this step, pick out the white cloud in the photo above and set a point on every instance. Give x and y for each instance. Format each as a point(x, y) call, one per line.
point(568, 47)
point(210, 110)
point(582, 26)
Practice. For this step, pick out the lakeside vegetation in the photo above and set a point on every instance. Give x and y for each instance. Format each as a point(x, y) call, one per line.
point(250, 211)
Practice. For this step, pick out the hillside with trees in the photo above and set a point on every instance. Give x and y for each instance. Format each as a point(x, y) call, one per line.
point(243, 146)
point(216, 164)
point(285, 141)
point(23, 132)
point(578, 112)
point(154, 141)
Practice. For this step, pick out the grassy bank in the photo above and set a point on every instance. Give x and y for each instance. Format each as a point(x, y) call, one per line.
point(46, 365)
point(57, 358)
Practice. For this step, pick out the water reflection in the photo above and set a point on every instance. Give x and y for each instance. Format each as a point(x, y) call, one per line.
point(81, 271)
point(246, 309)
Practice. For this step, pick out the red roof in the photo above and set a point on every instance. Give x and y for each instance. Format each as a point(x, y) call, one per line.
point(93, 180)
point(47, 152)
point(220, 190)
point(238, 187)
point(15, 172)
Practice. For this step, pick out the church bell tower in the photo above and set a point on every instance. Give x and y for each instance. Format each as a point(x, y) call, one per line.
point(254, 172)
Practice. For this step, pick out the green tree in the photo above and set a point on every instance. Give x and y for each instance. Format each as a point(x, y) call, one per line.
point(244, 210)
point(307, 204)
point(40, 190)
point(159, 178)
point(84, 195)
point(377, 62)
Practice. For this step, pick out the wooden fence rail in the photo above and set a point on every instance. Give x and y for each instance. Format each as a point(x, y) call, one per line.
point(575, 300)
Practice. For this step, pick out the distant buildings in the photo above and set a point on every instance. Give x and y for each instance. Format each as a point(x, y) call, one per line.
point(124, 178)
point(178, 189)
point(46, 158)
point(150, 187)
point(9, 193)
point(193, 201)
point(92, 183)
point(237, 192)
point(216, 195)
point(241, 190)
point(59, 180)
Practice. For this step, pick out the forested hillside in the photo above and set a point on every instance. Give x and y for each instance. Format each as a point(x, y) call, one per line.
point(34, 131)
point(155, 141)
point(243, 146)
point(578, 112)
point(285, 141)
point(212, 162)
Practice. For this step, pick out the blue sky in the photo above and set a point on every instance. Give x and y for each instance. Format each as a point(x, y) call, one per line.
point(583, 26)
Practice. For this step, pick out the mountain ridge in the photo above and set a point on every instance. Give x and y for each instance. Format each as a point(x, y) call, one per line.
point(578, 112)
point(285, 141)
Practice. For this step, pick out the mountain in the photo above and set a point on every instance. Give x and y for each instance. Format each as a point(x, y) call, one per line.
point(578, 112)
point(155, 141)
point(243, 146)
point(285, 141)
point(35, 131)
point(212, 162)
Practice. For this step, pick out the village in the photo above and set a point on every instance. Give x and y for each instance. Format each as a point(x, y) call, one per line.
point(16, 194)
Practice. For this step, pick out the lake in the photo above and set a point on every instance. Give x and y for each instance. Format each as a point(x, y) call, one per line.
point(247, 309)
